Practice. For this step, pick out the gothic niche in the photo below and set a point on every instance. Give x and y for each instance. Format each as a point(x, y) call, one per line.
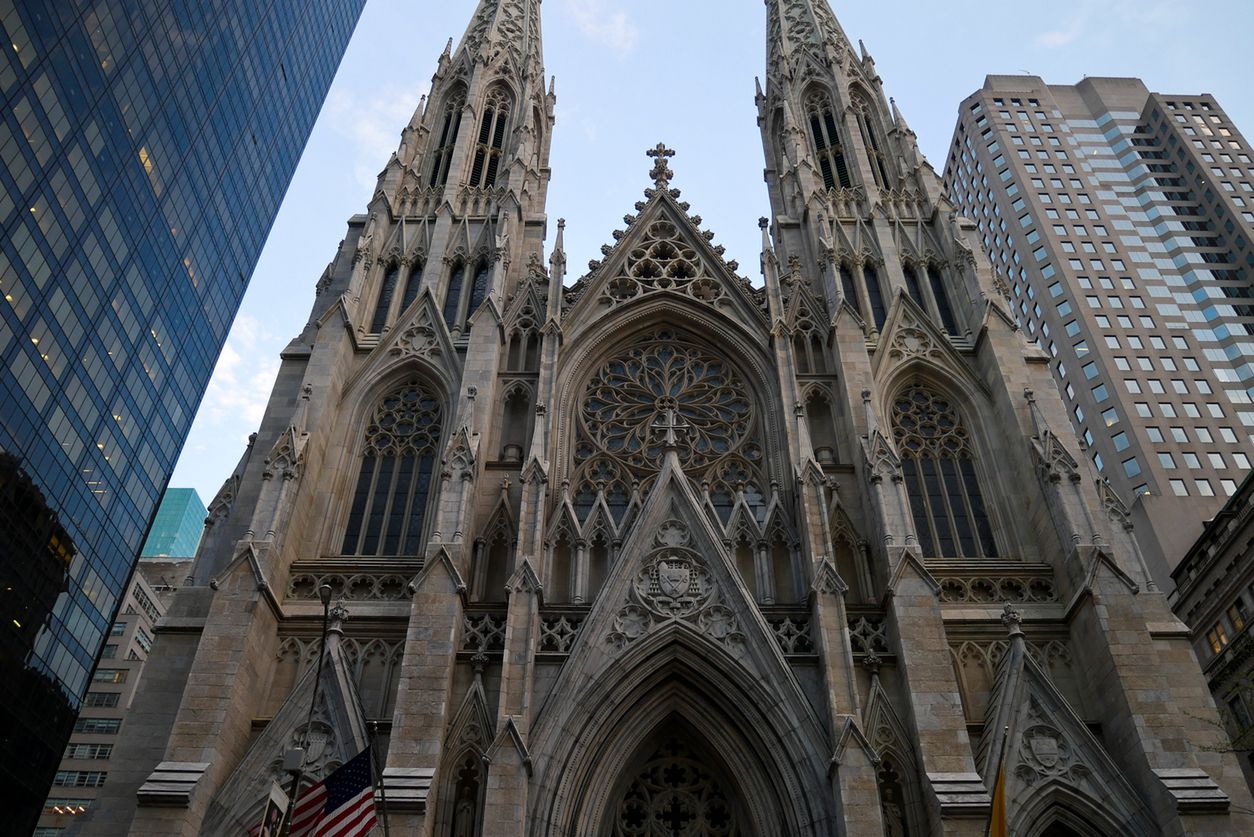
point(667, 372)
point(676, 793)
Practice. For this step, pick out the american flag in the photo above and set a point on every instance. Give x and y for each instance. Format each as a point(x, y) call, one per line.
point(341, 805)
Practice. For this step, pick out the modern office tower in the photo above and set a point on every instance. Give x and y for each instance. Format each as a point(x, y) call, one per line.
point(176, 530)
point(663, 551)
point(1215, 595)
point(144, 150)
point(1120, 225)
point(85, 766)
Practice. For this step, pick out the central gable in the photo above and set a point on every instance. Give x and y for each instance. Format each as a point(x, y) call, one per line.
point(664, 251)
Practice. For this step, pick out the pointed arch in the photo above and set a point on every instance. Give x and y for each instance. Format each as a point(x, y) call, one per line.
point(516, 419)
point(460, 798)
point(897, 773)
point(582, 747)
point(386, 292)
point(938, 467)
point(448, 126)
point(413, 282)
point(940, 294)
point(494, 554)
point(872, 135)
point(825, 135)
point(399, 448)
point(490, 140)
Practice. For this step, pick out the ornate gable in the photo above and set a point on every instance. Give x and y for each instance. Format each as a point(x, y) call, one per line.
point(664, 251)
point(1045, 749)
point(675, 575)
point(909, 336)
point(336, 733)
point(420, 334)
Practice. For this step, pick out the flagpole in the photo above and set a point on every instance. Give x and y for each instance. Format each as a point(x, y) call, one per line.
point(998, 780)
point(378, 772)
point(324, 593)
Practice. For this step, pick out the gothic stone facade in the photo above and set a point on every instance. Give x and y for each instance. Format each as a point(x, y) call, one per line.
point(662, 552)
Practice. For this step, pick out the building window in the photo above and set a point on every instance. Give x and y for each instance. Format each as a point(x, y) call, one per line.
point(89, 751)
point(389, 505)
point(387, 289)
point(462, 300)
point(110, 675)
point(1237, 614)
point(98, 726)
point(827, 144)
point(491, 140)
point(443, 155)
point(1217, 637)
point(941, 482)
point(79, 778)
point(870, 138)
point(878, 310)
point(97, 699)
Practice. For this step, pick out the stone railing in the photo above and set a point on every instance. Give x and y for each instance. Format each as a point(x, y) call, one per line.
point(994, 582)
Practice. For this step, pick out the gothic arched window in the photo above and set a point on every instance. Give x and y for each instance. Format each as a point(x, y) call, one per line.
point(491, 140)
point(389, 506)
point(941, 296)
point(387, 290)
point(871, 139)
point(827, 144)
point(876, 294)
point(912, 285)
point(849, 289)
point(667, 374)
point(462, 299)
point(412, 285)
point(478, 288)
point(442, 157)
point(453, 295)
point(939, 471)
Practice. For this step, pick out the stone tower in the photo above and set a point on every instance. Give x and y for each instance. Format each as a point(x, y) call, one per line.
point(662, 552)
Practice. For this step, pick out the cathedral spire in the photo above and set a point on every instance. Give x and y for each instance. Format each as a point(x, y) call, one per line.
point(503, 29)
point(799, 28)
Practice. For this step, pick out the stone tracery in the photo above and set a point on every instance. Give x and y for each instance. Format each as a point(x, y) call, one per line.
point(617, 445)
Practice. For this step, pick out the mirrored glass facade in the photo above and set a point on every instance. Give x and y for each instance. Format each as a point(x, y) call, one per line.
point(145, 146)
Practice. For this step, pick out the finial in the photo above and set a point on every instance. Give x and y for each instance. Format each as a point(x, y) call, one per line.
point(336, 617)
point(1013, 620)
point(661, 173)
point(763, 223)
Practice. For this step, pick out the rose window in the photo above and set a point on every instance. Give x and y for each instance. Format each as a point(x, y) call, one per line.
point(666, 376)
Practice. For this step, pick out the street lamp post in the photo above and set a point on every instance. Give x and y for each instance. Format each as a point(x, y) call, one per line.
point(294, 759)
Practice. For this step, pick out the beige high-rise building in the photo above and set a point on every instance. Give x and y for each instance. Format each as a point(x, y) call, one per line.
point(1120, 225)
point(662, 550)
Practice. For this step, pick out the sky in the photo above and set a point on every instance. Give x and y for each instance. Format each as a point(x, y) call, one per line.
point(631, 73)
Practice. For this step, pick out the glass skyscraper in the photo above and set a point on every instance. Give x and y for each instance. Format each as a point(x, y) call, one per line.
point(176, 530)
point(145, 146)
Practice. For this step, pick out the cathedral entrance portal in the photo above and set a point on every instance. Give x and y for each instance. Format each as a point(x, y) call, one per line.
point(676, 790)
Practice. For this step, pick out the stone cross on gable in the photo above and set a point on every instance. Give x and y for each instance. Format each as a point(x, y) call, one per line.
point(661, 173)
point(671, 425)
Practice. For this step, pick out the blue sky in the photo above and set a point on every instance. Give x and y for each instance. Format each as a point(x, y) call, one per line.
point(631, 73)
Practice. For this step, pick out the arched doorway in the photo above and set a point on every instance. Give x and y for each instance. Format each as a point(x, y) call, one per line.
point(676, 787)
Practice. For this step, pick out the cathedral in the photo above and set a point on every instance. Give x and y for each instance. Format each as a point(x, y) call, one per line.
point(659, 550)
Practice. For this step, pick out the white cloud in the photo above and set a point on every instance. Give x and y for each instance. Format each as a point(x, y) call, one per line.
point(1059, 38)
point(241, 382)
point(598, 23)
point(372, 126)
